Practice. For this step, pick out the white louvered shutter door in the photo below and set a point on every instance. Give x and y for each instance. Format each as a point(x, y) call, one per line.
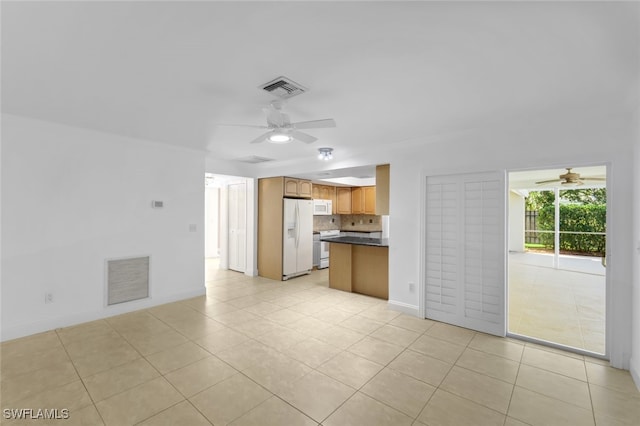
point(465, 251)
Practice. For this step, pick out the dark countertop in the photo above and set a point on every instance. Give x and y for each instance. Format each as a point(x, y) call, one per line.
point(376, 242)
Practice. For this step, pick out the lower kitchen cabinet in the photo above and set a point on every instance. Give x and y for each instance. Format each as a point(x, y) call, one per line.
point(359, 269)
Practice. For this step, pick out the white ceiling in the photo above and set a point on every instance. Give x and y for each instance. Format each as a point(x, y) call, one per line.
point(387, 72)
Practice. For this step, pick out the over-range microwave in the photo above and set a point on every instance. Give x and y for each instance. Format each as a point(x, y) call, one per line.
point(322, 207)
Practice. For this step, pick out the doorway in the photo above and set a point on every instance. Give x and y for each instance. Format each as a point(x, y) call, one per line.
point(557, 257)
point(230, 222)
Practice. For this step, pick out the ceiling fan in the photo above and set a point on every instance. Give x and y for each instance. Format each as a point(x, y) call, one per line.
point(571, 179)
point(282, 130)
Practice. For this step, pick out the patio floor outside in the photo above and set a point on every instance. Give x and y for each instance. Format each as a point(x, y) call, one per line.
point(564, 306)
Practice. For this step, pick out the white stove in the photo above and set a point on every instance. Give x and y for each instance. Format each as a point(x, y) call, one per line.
point(324, 247)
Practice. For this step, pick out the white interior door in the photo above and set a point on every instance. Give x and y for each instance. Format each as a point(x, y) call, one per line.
point(237, 225)
point(465, 249)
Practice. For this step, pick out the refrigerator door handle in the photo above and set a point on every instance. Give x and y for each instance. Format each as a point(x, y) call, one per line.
point(297, 225)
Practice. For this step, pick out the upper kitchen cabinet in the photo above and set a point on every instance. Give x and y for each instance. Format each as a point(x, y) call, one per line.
point(315, 191)
point(357, 200)
point(299, 188)
point(323, 192)
point(369, 193)
point(363, 200)
point(343, 200)
point(382, 190)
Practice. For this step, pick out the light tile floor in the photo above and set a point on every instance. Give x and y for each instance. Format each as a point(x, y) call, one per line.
point(260, 352)
point(558, 305)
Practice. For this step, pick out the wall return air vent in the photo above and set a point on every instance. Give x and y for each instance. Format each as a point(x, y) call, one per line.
point(127, 279)
point(284, 88)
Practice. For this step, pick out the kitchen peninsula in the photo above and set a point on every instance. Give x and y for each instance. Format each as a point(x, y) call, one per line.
point(359, 265)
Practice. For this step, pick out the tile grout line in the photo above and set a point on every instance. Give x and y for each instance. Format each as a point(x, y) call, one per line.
point(95, 407)
point(514, 387)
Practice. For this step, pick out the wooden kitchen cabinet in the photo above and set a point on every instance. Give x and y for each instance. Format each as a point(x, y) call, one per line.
point(315, 191)
point(299, 188)
point(382, 189)
point(331, 192)
point(270, 227)
point(359, 269)
point(323, 192)
point(357, 200)
point(326, 192)
point(343, 200)
point(369, 193)
point(304, 188)
point(363, 200)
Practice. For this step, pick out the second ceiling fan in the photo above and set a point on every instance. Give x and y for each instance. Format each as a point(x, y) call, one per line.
point(571, 179)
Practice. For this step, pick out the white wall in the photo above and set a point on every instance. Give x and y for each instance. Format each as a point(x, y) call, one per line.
point(212, 219)
point(635, 249)
point(72, 198)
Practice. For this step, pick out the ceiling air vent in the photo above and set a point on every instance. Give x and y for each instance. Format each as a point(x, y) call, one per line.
point(253, 159)
point(284, 88)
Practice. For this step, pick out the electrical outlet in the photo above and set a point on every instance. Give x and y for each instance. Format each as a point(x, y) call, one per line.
point(412, 287)
point(48, 298)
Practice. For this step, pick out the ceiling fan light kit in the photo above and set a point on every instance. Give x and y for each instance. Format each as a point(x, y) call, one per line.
point(279, 138)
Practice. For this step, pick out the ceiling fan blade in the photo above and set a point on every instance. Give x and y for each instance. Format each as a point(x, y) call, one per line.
point(303, 137)
point(314, 124)
point(244, 125)
point(547, 181)
point(261, 138)
point(594, 178)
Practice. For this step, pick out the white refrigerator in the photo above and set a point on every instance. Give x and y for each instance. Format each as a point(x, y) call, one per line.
point(297, 247)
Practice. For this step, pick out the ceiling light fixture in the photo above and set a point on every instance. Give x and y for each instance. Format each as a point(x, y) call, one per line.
point(280, 138)
point(325, 154)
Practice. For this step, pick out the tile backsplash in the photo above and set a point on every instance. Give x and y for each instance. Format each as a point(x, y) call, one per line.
point(326, 223)
point(348, 222)
point(360, 222)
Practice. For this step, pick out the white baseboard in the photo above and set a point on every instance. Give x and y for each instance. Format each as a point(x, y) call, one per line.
point(22, 330)
point(405, 308)
point(635, 374)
